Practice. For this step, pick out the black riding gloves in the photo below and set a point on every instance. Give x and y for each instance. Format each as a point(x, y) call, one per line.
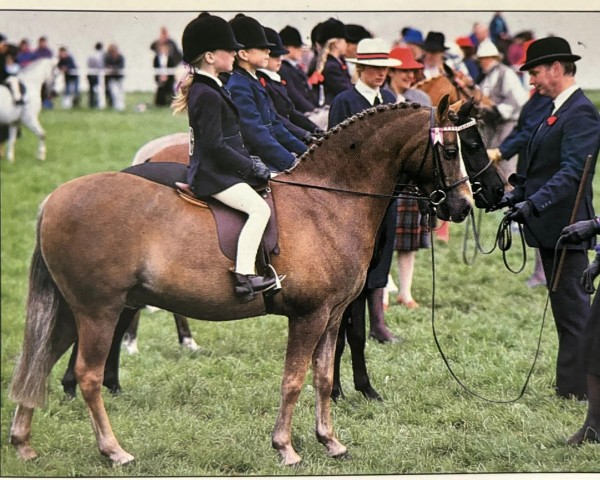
point(590, 274)
point(260, 170)
point(580, 231)
point(521, 211)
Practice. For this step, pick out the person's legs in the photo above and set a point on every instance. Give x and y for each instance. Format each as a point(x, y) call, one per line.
point(406, 268)
point(378, 329)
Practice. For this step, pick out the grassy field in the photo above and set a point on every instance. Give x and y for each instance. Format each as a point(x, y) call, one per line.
point(211, 412)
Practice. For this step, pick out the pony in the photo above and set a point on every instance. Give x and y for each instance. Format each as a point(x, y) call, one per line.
point(33, 76)
point(329, 207)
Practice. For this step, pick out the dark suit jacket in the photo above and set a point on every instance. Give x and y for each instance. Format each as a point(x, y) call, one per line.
point(218, 158)
point(337, 78)
point(284, 105)
point(555, 157)
point(297, 87)
point(262, 131)
point(351, 102)
point(535, 110)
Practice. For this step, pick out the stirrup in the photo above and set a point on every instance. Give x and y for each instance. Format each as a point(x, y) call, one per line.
point(278, 278)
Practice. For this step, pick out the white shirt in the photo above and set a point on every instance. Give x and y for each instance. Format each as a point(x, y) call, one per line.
point(563, 96)
point(369, 93)
point(271, 74)
point(206, 74)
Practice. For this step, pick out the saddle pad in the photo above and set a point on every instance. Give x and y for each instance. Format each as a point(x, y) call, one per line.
point(229, 221)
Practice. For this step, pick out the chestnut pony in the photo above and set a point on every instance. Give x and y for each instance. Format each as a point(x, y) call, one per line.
point(85, 273)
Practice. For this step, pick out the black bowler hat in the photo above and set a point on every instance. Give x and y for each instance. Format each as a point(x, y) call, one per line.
point(249, 32)
point(547, 50)
point(206, 33)
point(314, 33)
point(272, 36)
point(329, 29)
point(434, 42)
point(291, 36)
point(356, 33)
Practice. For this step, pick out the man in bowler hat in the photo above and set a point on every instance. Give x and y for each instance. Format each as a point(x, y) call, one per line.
point(545, 199)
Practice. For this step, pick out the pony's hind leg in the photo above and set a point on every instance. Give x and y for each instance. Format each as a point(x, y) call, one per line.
point(95, 338)
point(10, 143)
point(184, 333)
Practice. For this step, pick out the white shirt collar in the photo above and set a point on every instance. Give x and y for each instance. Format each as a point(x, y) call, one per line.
point(271, 74)
point(563, 96)
point(369, 93)
point(206, 74)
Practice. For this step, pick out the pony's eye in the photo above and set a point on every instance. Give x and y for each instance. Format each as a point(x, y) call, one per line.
point(450, 151)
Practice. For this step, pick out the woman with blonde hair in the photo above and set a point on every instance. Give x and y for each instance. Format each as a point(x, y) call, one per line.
point(220, 165)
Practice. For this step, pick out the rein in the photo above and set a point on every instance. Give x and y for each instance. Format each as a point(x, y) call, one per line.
point(505, 224)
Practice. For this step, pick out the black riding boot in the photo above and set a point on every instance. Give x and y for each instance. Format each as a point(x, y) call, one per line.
point(246, 286)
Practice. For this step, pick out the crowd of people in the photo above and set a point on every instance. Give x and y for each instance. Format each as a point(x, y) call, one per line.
point(256, 98)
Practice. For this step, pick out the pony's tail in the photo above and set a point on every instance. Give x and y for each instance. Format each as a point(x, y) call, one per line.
point(29, 383)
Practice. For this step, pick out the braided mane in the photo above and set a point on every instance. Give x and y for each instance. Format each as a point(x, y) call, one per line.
point(349, 121)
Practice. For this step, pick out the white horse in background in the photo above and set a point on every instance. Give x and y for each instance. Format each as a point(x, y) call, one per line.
point(33, 76)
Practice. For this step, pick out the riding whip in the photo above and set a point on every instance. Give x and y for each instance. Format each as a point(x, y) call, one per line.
point(563, 252)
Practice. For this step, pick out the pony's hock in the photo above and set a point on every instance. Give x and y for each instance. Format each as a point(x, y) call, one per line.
point(171, 258)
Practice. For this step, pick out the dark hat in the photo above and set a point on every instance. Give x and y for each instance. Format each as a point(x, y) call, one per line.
point(314, 33)
point(355, 33)
point(329, 29)
point(2, 38)
point(272, 36)
point(434, 42)
point(249, 32)
point(291, 36)
point(205, 33)
point(548, 50)
point(412, 35)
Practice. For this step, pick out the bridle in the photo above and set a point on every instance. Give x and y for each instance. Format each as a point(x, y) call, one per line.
point(436, 198)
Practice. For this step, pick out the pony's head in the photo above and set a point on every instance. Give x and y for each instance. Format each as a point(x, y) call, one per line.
point(486, 182)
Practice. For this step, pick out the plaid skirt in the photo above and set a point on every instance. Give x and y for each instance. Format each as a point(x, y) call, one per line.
point(412, 231)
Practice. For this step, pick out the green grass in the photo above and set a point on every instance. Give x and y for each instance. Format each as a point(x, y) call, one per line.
point(211, 412)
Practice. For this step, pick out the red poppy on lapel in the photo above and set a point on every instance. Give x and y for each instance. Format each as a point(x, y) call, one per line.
point(344, 67)
point(283, 82)
point(551, 120)
point(263, 82)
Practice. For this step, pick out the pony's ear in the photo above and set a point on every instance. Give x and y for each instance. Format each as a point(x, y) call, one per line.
point(442, 108)
point(448, 70)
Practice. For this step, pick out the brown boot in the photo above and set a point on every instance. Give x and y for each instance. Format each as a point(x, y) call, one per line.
point(590, 431)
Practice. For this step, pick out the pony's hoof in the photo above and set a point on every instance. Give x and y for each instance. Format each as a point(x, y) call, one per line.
point(26, 453)
point(121, 458)
point(371, 394)
point(343, 456)
point(190, 344)
point(289, 457)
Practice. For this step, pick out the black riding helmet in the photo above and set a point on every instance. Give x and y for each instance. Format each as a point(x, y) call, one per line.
point(207, 33)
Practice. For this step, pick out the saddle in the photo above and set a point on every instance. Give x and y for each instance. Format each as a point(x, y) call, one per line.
point(229, 221)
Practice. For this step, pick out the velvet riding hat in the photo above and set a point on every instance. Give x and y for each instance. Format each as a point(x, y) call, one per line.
point(272, 36)
point(207, 33)
point(249, 32)
point(329, 29)
point(290, 36)
point(548, 50)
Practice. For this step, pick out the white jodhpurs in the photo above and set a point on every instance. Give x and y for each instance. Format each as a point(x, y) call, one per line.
point(242, 196)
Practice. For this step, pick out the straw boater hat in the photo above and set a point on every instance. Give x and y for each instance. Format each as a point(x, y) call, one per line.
point(374, 52)
point(407, 58)
point(548, 50)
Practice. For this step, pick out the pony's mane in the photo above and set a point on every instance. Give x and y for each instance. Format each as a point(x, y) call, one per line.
point(353, 119)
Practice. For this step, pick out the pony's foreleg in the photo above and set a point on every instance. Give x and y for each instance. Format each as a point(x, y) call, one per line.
point(95, 339)
point(304, 333)
point(10, 143)
point(323, 359)
point(336, 390)
point(184, 333)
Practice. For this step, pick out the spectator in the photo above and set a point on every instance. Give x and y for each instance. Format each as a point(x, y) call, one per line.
point(469, 59)
point(479, 34)
point(412, 231)
point(67, 66)
point(114, 64)
point(24, 55)
point(501, 84)
point(372, 59)
point(9, 69)
point(42, 50)
point(498, 31)
point(164, 39)
point(95, 77)
point(433, 57)
point(164, 63)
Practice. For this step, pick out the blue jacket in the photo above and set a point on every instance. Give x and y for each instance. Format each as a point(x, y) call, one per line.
point(536, 109)
point(218, 158)
point(337, 78)
point(351, 102)
point(263, 132)
point(555, 156)
point(297, 87)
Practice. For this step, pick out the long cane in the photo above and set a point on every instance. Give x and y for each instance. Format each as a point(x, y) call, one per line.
point(586, 169)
